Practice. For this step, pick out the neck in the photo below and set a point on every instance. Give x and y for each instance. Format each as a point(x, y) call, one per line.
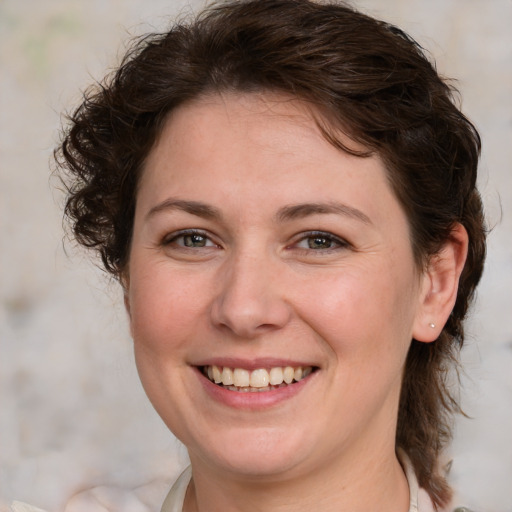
point(369, 480)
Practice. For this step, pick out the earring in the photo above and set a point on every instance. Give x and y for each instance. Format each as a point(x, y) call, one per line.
point(432, 325)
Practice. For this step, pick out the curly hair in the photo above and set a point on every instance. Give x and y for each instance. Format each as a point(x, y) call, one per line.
point(362, 76)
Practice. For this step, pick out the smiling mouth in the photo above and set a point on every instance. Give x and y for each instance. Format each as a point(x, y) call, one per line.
point(262, 379)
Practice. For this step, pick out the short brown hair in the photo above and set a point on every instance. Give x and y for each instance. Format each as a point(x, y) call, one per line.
point(361, 75)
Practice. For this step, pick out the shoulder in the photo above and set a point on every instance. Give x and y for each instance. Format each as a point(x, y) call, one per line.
point(174, 500)
point(420, 500)
point(145, 497)
point(18, 506)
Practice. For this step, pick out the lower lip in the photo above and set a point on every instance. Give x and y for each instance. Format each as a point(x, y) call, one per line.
point(255, 399)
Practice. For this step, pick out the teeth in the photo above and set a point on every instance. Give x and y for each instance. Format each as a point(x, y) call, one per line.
point(276, 376)
point(288, 374)
point(227, 376)
point(238, 379)
point(259, 379)
point(241, 378)
point(217, 377)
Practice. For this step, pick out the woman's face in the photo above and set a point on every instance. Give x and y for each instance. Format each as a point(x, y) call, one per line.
point(260, 253)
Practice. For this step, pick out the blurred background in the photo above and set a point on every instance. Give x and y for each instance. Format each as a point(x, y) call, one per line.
point(74, 421)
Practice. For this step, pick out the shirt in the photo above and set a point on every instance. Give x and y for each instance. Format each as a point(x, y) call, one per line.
point(419, 499)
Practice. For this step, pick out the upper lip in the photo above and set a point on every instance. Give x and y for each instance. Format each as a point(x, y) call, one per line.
point(252, 364)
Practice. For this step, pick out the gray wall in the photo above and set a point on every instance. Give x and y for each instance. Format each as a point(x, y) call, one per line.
point(73, 415)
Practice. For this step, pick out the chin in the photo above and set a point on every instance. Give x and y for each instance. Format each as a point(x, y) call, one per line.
point(255, 454)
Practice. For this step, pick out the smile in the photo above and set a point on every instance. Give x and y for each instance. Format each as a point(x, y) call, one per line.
point(261, 379)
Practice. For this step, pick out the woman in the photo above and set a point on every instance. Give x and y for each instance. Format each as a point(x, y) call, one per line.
point(286, 192)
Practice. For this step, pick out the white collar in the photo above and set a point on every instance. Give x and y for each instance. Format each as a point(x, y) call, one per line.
point(419, 499)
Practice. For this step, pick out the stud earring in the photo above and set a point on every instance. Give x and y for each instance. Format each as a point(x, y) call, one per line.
point(432, 325)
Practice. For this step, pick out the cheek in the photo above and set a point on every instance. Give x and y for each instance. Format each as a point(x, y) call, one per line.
point(165, 307)
point(360, 313)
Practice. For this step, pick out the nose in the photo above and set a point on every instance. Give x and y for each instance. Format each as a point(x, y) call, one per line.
point(250, 300)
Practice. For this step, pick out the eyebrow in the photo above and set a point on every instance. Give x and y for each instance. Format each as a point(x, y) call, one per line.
point(300, 211)
point(193, 207)
point(286, 213)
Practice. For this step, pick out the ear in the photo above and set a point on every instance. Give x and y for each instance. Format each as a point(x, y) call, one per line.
point(440, 282)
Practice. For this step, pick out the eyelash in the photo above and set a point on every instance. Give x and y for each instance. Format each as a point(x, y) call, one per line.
point(338, 243)
point(172, 239)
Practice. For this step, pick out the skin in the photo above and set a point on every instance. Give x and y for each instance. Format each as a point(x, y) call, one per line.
point(258, 288)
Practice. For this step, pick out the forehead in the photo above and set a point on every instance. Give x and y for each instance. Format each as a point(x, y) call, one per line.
point(271, 123)
point(255, 145)
point(249, 111)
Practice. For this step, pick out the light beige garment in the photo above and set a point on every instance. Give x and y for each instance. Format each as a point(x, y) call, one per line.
point(419, 499)
point(18, 506)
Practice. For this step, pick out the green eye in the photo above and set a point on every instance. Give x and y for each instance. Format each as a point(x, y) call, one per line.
point(189, 239)
point(194, 240)
point(319, 242)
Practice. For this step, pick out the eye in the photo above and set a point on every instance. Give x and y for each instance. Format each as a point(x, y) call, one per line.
point(190, 239)
point(194, 240)
point(320, 241)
